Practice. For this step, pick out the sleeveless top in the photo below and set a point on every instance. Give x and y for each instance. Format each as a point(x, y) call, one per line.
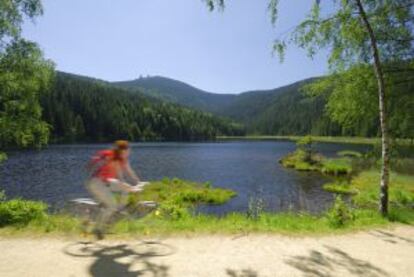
point(106, 165)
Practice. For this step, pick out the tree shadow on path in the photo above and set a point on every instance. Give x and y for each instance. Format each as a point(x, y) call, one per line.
point(122, 259)
point(241, 273)
point(390, 237)
point(330, 263)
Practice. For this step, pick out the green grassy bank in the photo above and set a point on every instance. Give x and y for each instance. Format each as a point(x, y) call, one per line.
point(347, 140)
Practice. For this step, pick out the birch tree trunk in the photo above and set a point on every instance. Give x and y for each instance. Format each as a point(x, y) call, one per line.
point(385, 176)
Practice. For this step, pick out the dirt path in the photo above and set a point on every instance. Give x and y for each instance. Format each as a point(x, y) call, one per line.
point(372, 253)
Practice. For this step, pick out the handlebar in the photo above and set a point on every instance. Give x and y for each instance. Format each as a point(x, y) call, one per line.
point(139, 187)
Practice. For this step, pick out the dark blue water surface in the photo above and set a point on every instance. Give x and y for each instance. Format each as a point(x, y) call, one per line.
point(57, 174)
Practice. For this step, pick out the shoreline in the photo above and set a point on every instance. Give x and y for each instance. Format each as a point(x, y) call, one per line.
point(326, 139)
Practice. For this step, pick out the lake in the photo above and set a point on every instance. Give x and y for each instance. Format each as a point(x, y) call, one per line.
point(57, 173)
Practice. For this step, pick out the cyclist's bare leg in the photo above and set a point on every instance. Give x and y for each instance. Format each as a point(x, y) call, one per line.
point(102, 192)
point(123, 188)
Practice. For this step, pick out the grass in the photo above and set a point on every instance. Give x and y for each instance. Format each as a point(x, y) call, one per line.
point(338, 166)
point(340, 187)
point(328, 139)
point(350, 140)
point(281, 223)
point(401, 189)
point(49, 225)
point(236, 223)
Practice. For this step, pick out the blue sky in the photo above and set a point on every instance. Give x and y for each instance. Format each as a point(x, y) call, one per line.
point(222, 52)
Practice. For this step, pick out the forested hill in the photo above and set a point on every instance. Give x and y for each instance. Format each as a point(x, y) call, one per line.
point(290, 112)
point(248, 106)
point(178, 92)
point(283, 111)
point(85, 109)
point(243, 106)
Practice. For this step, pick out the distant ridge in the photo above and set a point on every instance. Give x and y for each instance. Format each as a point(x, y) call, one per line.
point(244, 107)
point(178, 92)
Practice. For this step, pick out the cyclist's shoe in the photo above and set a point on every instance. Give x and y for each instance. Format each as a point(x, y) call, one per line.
point(137, 188)
point(99, 234)
point(123, 210)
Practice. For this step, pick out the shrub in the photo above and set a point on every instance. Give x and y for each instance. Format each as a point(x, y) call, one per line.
point(190, 196)
point(21, 212)
point(207, 185)
point(402, 165)
point(255, 207)
point(306, 145)
point(2, 196)
point(3, 156)
point(340, 214)
point(336, 166)
point(173, 211)
point(299, 161)
point(402, 198)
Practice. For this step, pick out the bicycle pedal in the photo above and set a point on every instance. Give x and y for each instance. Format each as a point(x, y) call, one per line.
point(149, 204)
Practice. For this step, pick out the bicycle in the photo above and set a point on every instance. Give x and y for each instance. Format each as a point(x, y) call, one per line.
point(89, 211)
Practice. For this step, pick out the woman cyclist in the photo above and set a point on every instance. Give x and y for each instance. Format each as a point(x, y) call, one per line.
point(109, 170)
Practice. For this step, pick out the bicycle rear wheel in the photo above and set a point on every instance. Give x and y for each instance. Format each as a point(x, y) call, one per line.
point(82, 249)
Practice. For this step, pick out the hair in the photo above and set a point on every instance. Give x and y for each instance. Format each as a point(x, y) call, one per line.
point(119, 146)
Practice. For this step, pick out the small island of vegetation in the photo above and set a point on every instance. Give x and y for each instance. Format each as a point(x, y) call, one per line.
point(306, 159)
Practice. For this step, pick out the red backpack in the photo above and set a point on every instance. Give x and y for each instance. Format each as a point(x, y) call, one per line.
point(100, 165)
point(102, 156)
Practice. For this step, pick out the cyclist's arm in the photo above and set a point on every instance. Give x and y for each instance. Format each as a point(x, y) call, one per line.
point(131, 173)
point(126, 187)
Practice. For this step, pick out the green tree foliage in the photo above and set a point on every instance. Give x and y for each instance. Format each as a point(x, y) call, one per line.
point(306, 145)
point(24, 73)
point(87, 110)
point(12, 14)
point(343, 31)
point(352, 99)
